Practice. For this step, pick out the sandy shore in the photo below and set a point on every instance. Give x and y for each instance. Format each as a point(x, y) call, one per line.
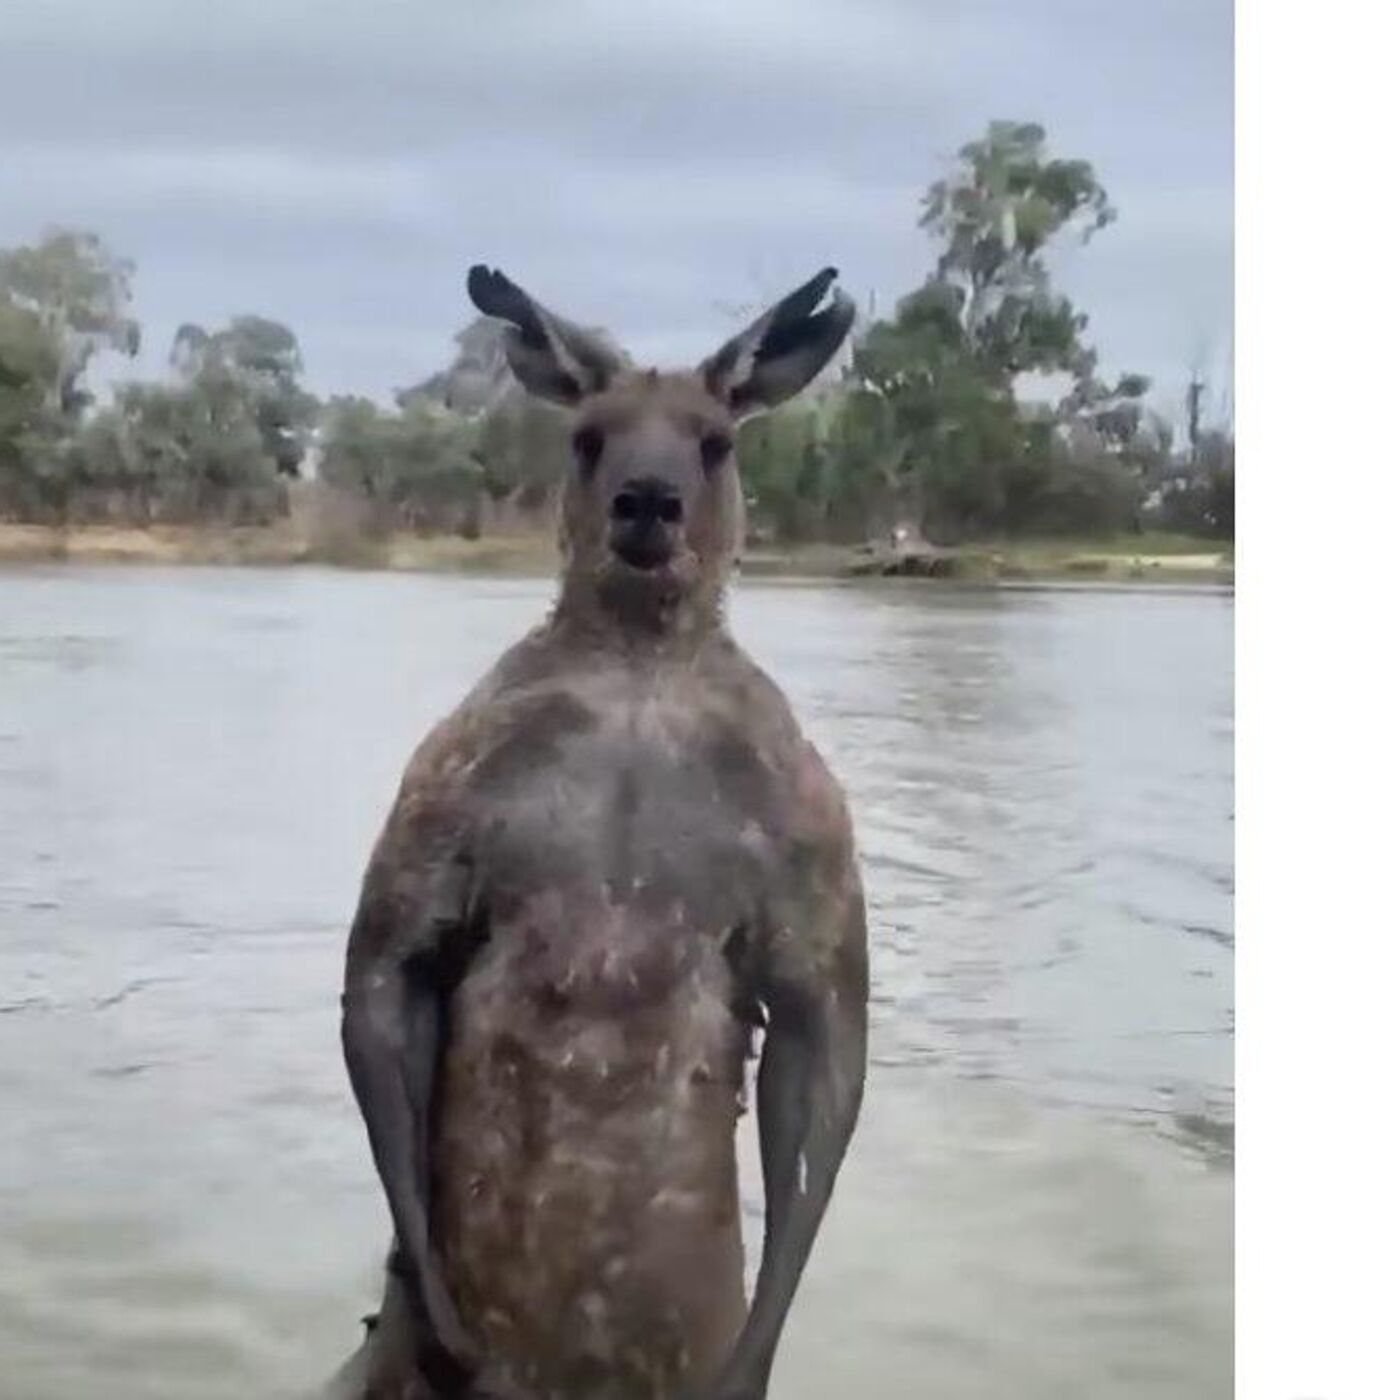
point(280, 544)
point(1147, 560)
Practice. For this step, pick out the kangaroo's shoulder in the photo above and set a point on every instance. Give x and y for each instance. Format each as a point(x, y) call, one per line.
point(520, 696)
point(760, 716)
point(744, 696)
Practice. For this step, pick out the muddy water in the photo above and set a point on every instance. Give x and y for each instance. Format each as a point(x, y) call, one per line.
point(193, 765)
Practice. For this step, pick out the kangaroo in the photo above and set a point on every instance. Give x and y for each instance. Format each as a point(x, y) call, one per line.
point(612, 866)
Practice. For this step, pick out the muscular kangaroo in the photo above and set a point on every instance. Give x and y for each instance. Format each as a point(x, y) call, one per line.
point(604, 872)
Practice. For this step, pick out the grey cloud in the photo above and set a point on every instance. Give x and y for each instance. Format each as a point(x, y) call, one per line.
point(651, 167)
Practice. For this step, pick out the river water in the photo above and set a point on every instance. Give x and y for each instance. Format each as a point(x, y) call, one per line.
point(194, 763)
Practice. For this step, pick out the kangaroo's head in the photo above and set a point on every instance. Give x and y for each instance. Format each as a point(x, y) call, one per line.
point(653, 509)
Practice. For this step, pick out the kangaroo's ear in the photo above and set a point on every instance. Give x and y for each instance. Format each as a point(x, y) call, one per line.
point(782, 351)
point(551, 357)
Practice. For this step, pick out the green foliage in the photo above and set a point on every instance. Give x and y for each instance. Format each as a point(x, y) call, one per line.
point(61, 301)
point(29, 363)
point(78, 292)
point(953, 450)
point(262, 361)
point(355, 452)
point(930, 427)
point(995, 217)
point(1007, 201)
point(867, 460)
point(183, 452)
point(511, 448)
point(1198, 497)
point(785, 471)
point(523, 450)
point(414, 468)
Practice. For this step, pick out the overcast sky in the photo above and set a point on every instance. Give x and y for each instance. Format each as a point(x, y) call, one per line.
point(337, 164)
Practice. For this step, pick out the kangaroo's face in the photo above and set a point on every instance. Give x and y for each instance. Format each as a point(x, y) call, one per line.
point(654, 490)
point(653, 505)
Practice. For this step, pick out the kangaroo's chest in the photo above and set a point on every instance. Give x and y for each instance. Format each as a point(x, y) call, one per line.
point(649, 802)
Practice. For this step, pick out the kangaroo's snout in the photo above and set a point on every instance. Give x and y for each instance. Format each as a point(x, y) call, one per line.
point(645, 512)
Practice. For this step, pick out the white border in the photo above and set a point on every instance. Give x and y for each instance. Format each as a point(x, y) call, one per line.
point(1318, 651)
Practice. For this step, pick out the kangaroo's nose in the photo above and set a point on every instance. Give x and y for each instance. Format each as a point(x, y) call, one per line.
point(647, 499)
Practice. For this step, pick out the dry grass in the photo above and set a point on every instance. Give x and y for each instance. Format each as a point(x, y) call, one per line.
point(160, 545)
point(280, 544)
point(1145, 559)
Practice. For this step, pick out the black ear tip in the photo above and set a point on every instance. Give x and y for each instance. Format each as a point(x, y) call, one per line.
point(811, 293)
point(493, 292)
point(480, 280)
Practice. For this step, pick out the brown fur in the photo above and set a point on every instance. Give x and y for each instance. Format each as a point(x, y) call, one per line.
point(606, 863)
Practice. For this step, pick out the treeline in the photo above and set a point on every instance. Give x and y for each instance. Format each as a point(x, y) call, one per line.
point(930, 425)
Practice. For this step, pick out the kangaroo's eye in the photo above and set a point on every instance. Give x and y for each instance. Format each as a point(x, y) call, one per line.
point(714, 448)
point(588, 446)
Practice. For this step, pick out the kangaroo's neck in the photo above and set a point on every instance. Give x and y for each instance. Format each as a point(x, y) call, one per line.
point(640, 617)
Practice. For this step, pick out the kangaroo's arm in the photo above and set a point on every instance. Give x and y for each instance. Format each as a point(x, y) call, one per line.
point(814, 981)
point(410, 938)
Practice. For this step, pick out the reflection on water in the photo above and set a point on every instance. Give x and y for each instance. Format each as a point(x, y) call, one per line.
point(193, 765)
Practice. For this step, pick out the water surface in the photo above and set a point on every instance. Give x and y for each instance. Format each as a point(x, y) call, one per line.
point(194, 764)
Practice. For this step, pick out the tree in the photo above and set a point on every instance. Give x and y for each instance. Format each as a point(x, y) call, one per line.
point(415, 468)
point(995, 217)
point(356, 453)
point(959, 453)
point(262, 358)
point(478, 378)
point(79, 294)
point(437, 478)
point(953, 427)
point(867, 463)
point(172, 452)
point(1217, 450)
point(1197, 492)
point(523, 450)
point(30, 423)
point(784, 471)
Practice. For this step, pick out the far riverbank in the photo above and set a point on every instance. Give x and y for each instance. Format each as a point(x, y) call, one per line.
point(1136, 559)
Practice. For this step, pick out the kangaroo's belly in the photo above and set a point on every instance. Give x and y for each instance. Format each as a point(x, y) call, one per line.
point(585, 1197)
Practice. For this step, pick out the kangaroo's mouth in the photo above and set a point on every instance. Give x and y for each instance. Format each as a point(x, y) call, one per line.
point(644, 553)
